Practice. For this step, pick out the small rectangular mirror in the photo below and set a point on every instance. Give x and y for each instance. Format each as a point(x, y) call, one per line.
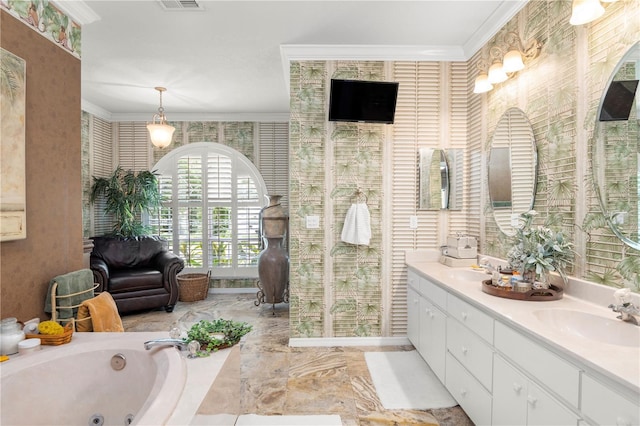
point(440, 179)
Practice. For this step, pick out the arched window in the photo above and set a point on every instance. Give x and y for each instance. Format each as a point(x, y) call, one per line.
point(211, 201)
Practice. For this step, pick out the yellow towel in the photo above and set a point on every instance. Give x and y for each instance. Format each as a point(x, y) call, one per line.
point(103, 312)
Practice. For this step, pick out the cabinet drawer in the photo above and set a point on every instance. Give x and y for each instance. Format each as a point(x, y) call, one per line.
point(433, 292)
point(556, 373)
point(606, 406)
point(471, 351)
point(543, 409)
point(470, 394)
point(476, 320)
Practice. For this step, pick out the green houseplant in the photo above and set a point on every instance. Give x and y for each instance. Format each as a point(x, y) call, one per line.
point(127, 195)
point(538, 250)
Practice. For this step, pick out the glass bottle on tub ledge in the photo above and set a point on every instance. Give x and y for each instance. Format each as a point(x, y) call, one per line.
point(273, 261)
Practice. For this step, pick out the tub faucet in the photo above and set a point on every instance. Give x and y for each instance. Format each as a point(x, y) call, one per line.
point(627, 310)
point(178, 343)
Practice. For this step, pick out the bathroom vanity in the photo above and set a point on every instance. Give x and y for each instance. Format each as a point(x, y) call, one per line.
point(513, 362)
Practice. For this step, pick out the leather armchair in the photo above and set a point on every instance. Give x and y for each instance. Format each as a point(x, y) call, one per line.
point(138, 272)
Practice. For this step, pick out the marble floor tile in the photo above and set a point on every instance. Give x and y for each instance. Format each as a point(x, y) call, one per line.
point(266, 377)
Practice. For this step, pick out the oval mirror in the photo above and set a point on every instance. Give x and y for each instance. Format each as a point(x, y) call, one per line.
point(616, 149)
point(512, 169)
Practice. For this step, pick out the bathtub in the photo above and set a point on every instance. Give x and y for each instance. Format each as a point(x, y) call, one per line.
point(75, 383)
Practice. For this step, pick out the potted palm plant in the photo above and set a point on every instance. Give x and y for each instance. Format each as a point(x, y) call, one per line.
point(127, 195)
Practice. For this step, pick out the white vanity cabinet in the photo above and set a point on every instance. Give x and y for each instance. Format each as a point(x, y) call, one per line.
point(413, 316)
point(519, 401)
point(502, 372)
point(469, 358)
point(605, 406)
point(433, 337)
point(426, 328)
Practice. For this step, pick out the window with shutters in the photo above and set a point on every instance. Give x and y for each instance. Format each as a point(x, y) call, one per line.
point(211, 201)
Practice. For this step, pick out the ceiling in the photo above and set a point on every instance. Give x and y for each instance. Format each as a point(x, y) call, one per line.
point(229, 59)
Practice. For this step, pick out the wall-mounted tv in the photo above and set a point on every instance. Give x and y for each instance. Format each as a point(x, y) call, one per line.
point(363, 101)
point(618, 100)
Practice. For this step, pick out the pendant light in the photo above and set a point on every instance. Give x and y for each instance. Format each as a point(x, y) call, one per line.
point(160, 133)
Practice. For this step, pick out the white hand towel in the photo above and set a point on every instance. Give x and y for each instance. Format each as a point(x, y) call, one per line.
point(357, 225)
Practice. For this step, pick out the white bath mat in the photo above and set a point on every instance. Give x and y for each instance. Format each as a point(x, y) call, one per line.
point(404, 381)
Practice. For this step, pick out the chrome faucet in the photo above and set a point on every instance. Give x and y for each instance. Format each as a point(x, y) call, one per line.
point(178, 343)
point(627, 310)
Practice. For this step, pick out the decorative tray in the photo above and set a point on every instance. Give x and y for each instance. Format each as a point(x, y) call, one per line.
point(552, 293)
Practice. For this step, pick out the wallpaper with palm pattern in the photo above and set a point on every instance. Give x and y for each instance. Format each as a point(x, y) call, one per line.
point(336, 288)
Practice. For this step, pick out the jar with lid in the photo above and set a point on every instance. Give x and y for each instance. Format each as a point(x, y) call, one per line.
point(10, 335)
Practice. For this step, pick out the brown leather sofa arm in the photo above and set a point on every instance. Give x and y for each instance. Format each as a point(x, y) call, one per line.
point(170, 264)
point(100, 274)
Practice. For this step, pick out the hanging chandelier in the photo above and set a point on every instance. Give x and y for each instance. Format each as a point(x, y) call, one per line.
point(160, 133)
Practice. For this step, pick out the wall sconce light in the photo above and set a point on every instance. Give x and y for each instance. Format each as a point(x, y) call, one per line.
point(482, 83)
point(496, 70)
point(505, 65)
point(585, 11)
point(160, 133)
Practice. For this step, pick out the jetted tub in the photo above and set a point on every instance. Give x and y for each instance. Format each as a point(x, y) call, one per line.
point(76, 384)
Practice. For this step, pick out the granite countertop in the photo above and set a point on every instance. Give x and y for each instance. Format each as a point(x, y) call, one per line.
point(617, 363)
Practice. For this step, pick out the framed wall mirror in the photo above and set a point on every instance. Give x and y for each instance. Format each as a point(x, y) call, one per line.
point(512, 167)
point(440, 179)
point(616, 150)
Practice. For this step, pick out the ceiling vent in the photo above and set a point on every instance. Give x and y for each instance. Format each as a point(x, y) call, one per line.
point(180, 5)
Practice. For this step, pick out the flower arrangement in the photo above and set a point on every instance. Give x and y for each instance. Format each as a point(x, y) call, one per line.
point(539, 250)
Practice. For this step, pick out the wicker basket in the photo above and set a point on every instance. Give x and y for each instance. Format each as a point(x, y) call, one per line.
point(55, 339)
point(193, 287)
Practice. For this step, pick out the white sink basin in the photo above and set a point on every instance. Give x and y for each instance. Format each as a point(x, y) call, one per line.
point(468, 275)
point(593, 327)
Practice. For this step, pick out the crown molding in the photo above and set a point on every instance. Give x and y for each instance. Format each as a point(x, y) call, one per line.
point(333, 52)
point(95, 110)
point(206, 116)
point(77, 10)
point(498, 19)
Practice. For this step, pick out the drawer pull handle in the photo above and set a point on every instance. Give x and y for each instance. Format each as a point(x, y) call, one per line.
point(427, 310)
point(463, 392)
point(465, 350)
point(464, 316)
point(532, 401)
point(621, 421)
point(517, 388)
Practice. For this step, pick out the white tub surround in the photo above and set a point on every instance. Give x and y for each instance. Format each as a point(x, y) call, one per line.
point(520, 362)
point(154, 383)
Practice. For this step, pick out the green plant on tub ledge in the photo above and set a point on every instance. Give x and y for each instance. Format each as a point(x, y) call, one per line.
point(538, 250)
point(216, 334)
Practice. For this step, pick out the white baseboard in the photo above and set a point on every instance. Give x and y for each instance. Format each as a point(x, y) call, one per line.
point(247, 290)
point(301, 342)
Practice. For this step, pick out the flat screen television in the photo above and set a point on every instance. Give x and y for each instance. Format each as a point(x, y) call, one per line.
point(618, 100)
point(363, 101)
